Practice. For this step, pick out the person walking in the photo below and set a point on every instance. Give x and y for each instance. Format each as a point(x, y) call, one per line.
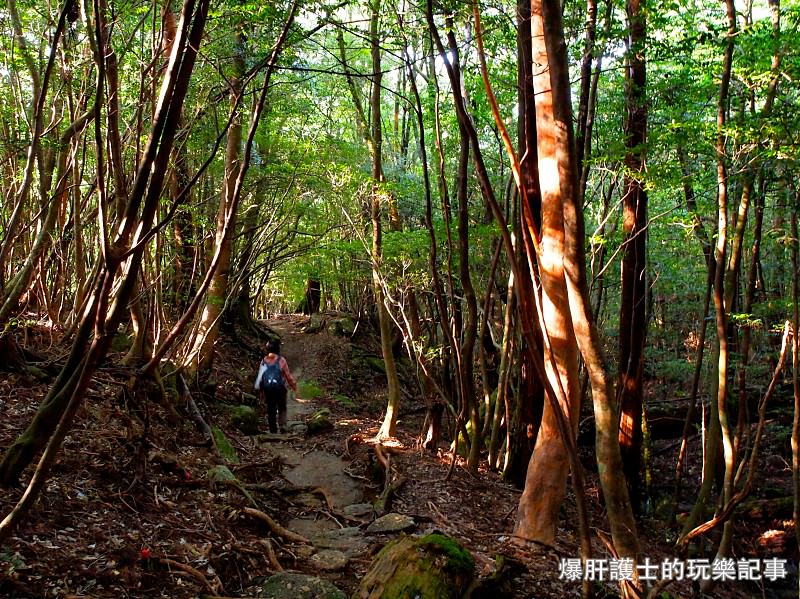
point(273, 378)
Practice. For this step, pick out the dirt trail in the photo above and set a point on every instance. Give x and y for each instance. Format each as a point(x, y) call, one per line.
point(304, 467)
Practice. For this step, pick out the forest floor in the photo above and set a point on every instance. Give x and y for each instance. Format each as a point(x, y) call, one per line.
point(138, 505)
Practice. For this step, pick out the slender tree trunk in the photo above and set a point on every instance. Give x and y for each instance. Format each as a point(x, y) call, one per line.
point(718, 429)
point(586, 127)
point(795, 375)
point(584, 104)
point(201, 355)
point(384, 319)
point(501, 402)
point(724, 289)
point(633, 304)
point(468, 331)
point(524, 420)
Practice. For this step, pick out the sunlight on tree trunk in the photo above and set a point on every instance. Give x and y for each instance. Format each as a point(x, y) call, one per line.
point(384, 320)
point(198, 362)
point(633, 295)
point(546, 480)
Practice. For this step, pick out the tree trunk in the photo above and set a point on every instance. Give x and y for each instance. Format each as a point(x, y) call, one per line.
point(434, 407)
point(556, 150)
point(795, 377)
point(201, 355)
point(633, 304)
point(524, 420)
point(501, 401)
point(384, 320)
point(312, 296)
point(468, 330)
point(546, 480)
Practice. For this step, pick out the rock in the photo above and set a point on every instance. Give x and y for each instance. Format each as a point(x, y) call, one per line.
point(431, 567)
point(245, 419)
point(297, 428)
point(330, 560)
point(326, 470)
point(358, 510)
point(220, 474)
point(315, 324)
point(342, 327)
point(309, 528)
point(319, 422)
point(391, 523)
point(349, 541)
point(291, 585)
point(303, 551)
point(309, 500)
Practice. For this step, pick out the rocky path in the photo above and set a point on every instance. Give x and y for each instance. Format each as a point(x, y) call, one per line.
point(332, 511)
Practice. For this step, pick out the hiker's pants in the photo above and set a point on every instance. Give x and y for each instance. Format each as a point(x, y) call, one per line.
point(276, 405)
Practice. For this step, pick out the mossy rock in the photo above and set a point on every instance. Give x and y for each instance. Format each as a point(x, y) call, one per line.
point(431, 567)
point(342, 327)
point(315, 324)
point(245, 419)
point(319, 422)
point(292, 585)
point(220, 474)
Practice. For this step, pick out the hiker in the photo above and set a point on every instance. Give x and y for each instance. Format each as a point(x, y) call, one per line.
point(273, 376)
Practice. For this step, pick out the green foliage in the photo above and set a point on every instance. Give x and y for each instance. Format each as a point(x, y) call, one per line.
point(309, 389)
point(344, 400)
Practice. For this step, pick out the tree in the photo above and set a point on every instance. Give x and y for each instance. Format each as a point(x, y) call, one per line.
point(105, 310)
point(201, 353)
point(633, 305)
point(555, 143)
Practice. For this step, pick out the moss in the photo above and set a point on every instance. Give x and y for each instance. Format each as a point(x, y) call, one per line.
point(319, 422)
point(431, 567)
point(226, 450)
point(308, 389)
point(220, 474)
point(459, 558)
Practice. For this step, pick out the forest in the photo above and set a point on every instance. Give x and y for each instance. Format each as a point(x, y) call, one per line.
point(533, 267)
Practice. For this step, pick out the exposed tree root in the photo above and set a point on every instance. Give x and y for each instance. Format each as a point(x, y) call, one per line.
point(390, 485)
point(271, 555)
point(381, 504)
point(275, 527)
point(214, 585)
point(195, 415)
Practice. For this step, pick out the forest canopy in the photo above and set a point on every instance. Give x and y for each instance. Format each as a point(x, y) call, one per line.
point(567, 233)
